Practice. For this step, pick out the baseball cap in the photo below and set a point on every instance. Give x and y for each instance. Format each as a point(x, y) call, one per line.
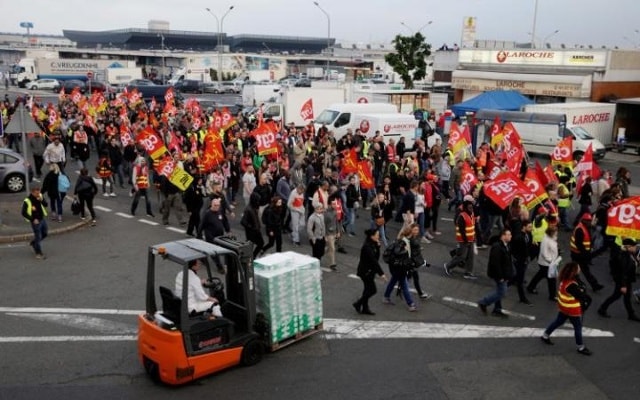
point(629, 242)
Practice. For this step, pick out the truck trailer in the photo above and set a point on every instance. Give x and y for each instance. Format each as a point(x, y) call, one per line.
point(30, 69)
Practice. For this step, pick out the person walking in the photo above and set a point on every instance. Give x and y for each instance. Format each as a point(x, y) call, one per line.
point(415, 246)
point(572, 303)
point(521, 250)
point(37, 145)
point(214, 223)
point(35, 212)
point(580, 245)
point(193, 201)
point(50, 188)
point(251, 224)
point(332, 233)
point(295, 203)
point(316, 232)
point(500, 269)
point(623, 270)
point(85, 190)
point(466, 238)
point(400, 262)
point(547, 254)
point(368, 268)
point(273, 219)
point(140, 179)
point(105, 172)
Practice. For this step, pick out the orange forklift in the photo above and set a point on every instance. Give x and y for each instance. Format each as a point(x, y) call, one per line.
point(176, 346)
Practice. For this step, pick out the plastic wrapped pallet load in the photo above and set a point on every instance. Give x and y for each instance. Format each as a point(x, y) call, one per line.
point(289, 293)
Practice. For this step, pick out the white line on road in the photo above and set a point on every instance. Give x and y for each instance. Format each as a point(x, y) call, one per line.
point(32, 339)
point(120, 214)
point(104, 311)
point(447, 219)
point(146, 221)
point(101, 325)
point(475, 305)
point(360, 329)
point(357, 277)
point(105, 209)
point(174, 229)
point(637, 340)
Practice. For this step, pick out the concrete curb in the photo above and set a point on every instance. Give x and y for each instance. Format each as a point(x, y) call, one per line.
point(24, 237)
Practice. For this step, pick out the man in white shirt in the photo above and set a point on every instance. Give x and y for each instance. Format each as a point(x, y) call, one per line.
point(198, 300)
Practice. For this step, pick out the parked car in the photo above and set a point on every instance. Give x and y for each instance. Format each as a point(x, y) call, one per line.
point(141, 82)
point(42, 84)
point(303, 82)
point(69, 85)
point(156, 92)
point(99, 87)
point(212, 87)
point(231, 87)
point(14, 170)
point(189, 86)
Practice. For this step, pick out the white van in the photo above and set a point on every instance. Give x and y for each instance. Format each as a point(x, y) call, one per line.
point(341, 116)
point(542, 139)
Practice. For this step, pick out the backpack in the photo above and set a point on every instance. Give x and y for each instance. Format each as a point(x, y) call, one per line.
point(63, 183)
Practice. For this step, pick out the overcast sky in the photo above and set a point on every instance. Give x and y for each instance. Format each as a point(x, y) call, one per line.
point(586, 22)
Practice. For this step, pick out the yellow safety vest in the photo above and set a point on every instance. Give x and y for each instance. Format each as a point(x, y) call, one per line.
point(566, 202)
point(29, 208)
point(537, 234)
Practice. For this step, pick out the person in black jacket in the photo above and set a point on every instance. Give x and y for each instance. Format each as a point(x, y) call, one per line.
point(273, 219)
point(193, 200)
point(500, 269)
point(368, 268)
point(85, 190)
point(623, 270)
point(521, 249)
point(251, 223)
point(214, 223)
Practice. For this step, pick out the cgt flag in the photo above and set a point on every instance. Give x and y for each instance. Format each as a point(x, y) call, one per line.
point(350, 164)
point(623, 218)
point(265, 139)
point(306, 112)
point(365, 175)
point(563, 153)
point(504, 188)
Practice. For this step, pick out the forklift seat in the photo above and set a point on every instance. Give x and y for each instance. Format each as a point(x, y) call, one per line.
point(170, 305)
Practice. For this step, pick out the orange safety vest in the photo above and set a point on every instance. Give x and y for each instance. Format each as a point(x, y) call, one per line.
point(470, 229)
point(567, 304)
point(586, 241)
point(142, 178)
point(103, 169)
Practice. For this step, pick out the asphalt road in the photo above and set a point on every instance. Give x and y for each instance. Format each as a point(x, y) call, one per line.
point(95, 278)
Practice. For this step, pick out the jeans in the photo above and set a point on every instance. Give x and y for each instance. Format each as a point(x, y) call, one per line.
point(297, 224)
point(420, 222)
point(495, 298)
point(350, 220)
point(136, 199)
point(118, 171)
point(40, 232)
point(465, 256)
point(560, 320)
point(401, 279)
point(381, 229)
point(56, 203)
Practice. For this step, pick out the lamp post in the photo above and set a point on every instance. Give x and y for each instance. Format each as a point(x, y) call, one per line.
point(220, 22)
point(162, 50)
point(413, 31)
point(549, 36)
point(533, 29)
point(328, 36)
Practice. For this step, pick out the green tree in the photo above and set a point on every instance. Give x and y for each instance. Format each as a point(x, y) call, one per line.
point(214, 74)
point(409, 59)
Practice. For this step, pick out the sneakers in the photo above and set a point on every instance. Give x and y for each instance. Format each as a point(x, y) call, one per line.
point(482, 308)
point(425, 296)
point(413, 308)
point(333, 267)
point(426, 240)
point(437, 233)
point(59, 218)
point(83, 218)
point(112, 194)
point(546, 340)
point(105, 194)
point(388, 301)
point(482, 247)
point(41, 256)
point(93, 222)
point(499, 313)
point(446, 269)
point(351, 234)
point(357, 307)
point(469, 275)
point(428, 235)
point(584, 351)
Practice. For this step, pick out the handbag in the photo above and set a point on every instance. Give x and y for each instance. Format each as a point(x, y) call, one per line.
point(553, 268)
point(75, 207)
point(379, 221)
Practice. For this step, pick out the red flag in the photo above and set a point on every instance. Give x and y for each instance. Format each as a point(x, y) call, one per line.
point(350, 164)
point(586, 168)
point(306, 112)
point(542, 177)
point(125, 135)
point(213, 153)
point(228, 119)
point(134, 97)
point(76, 96)
point(496, 132)
point(169, 96)
point(504, 188)
point(365, 175)
point(511, 137)
point(61, 95)
point(514, 155)
point(469, 179)
point(456, 140)
point(548, 173)
point(165, 166)
point(152, 105)
point(537, 193)
point(623, 218)
point(151, 142)
point(563, 152)
point(265, 139)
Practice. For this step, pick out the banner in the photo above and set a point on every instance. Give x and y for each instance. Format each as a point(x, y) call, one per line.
point(350, 164)
point(623, 218)
point(537, 193)
point(504, 188)
point(181, 179)
point(213, 153)
point(495, 134)
point(265, 139)
point(456, 139)
point(563, 153)
point(469, 179)
point(586, 168)
point(306, 112)
point(228, 120)
point(514, 156)
point(365, 175)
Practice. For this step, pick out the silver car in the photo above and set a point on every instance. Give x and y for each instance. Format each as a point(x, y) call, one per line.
point(14, 170)
point(42, 84)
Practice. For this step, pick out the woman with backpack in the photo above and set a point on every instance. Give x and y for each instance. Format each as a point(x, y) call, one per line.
point(368, 268)
point(55, 185)
point(398, 256)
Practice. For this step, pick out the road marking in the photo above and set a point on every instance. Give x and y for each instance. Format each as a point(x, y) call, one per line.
point(359, 329)
point(475, 305)
point(146, 221)
point(357, 277)
point(105, 209)
point(637, 340)
point(33, 339)
point(47, 310)
point(174, 229)
point(120, 214)
point(447, 219)
point(101, 325)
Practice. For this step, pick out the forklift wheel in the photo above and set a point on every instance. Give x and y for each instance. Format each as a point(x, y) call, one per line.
point(252, 353)
point(152, 369)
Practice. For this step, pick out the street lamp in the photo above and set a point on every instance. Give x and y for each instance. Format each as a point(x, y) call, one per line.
point(413, 31)
point(162, 49)
point(549, 36)
point(533, 29)
point(328, 36)
point(220, 23)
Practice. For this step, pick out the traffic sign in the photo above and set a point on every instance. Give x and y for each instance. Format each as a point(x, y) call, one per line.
point(89, 74)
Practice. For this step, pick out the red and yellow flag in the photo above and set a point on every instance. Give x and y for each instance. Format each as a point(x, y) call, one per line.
point(563, 152)
point(350, 164)
point(365, 175)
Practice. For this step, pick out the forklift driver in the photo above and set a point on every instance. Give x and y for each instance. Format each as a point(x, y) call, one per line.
point(198, 299)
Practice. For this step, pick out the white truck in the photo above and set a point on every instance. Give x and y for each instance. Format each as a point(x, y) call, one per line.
point(341, 117)
point(254, 95)
point(390, 126)
point(122, 76)
point(407, 100)
point(595, 118)
point(30, 69)
point(315, 72)
point(289, 107)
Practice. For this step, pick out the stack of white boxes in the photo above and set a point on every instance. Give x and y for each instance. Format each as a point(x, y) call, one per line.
point(288, 293)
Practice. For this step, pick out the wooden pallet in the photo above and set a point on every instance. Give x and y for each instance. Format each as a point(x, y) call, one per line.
point(299, 336)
